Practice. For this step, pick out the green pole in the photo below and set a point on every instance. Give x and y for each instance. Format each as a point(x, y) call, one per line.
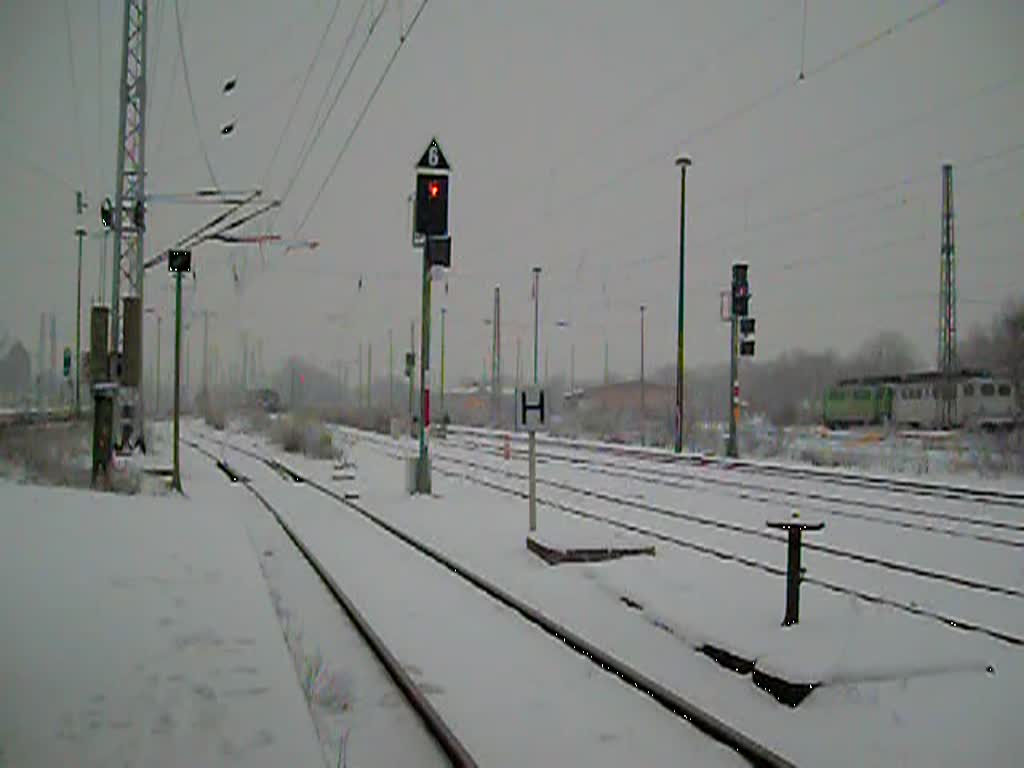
point(683, 163)
point(410, 371)
point(536, 323)
point(177, 379)
point(443, 313)
point(423, 474)
point(80, 233)
point(732, 449)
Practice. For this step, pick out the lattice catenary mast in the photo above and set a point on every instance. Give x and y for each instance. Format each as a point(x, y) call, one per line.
point(947, 356)
point(130, 180)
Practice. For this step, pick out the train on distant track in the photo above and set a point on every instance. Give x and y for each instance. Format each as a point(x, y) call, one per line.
point(916, 401)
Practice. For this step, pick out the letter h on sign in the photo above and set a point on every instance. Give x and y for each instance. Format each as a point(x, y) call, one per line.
point(530, 412)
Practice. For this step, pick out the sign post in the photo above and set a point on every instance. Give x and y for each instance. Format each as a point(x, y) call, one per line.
point(531, 415)
point(430, 221)
point(177, 262)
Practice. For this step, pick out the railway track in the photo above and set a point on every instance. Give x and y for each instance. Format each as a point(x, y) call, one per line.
point(477, 474)
point(435, 725)
point(991, 530)
point(908, 486)
point(752, 751)
point(760, 533)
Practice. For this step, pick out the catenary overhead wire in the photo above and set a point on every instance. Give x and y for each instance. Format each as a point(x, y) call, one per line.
point(308, 150)
point(74, 92)
point(299, 94)
point(746, 108)
point(315, 122)
point(362, 115)
point(191, 99)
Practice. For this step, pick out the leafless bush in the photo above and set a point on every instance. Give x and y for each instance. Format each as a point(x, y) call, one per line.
point(304, 434)
point(55, 455)
point(215, 417)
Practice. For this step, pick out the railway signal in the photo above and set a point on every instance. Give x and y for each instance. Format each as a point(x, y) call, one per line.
point(746, 337)
point(741, 344)
point(107, 213)
point(740, 290)
point(431, 232)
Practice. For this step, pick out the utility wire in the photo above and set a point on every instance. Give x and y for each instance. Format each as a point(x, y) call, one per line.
point(743, 110)
point(99, 94)
point(315, 122)
point(808, 162)
point(723, 49)
point(803, 42)
point(362, 114)
point(168, 101)
point(191, 100)
point(308, 149)
point(74, 91)
point(302, 90)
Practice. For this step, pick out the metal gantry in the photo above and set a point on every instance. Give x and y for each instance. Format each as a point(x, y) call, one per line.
point(947, 355)
point(130, 192)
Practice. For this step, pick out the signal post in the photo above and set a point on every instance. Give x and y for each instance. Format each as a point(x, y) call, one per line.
point(430, 231)
point(741, 344)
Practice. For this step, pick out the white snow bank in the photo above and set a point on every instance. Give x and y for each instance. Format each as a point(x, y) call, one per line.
point(138, 630)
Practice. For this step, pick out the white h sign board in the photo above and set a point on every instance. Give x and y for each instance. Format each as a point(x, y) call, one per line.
point(531, 414)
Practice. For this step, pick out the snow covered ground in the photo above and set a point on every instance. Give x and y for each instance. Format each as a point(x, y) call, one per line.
point(896, 689)
point(155, 629)
point(513, 695)
point(173, 631)
point(137, 631)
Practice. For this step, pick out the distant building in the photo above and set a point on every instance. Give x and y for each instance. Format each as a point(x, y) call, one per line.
point(625, 396)
point(15, 368)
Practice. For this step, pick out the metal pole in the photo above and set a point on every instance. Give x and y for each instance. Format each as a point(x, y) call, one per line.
point(793, 578)
point(157, 409)
point(497, 356)
point(683, 163)
point(734, 389)
point(187, 385)
point(518, 341)
point(533, 433)
point(206, 356)
point(606, 361)
point(536, 321)
point(80, 232)
point(412, 385)
point(643, 385)
point(494, 360)
point(177, 378)
point(443, 313)
point(572, 367)
point(423, 467)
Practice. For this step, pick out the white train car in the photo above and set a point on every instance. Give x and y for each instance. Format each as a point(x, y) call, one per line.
point(986, 403)
point(981, 403)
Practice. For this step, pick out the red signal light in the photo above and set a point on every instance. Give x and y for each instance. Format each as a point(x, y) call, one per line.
point(433, 189)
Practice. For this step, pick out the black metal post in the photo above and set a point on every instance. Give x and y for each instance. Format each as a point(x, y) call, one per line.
point(793, 578)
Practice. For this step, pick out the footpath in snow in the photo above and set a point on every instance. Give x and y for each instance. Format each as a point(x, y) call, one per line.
point(137, 630)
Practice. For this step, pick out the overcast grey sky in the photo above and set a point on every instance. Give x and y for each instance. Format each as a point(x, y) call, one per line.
point(562, 120)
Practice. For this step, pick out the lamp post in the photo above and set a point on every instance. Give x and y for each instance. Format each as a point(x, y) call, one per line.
point(683, 162)
point(643, 387)
point(79, 233)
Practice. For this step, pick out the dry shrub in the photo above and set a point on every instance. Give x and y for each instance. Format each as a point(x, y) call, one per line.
point(215, 417)
point(303, 434)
